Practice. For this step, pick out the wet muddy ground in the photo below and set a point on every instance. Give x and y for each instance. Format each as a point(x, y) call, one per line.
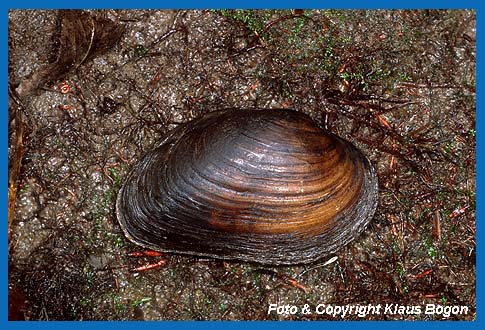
point(398, 84)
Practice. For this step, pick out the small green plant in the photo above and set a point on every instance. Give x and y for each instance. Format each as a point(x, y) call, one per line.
point(116, 239)
point(140, 50)
point(118, 304)
point(432, 252)
point(24, 188)
point(449, 147)
point(400, 270)
point(141, 301)
point(84, 302)
point(114, 173)
point(404, 76)
point(430, 248)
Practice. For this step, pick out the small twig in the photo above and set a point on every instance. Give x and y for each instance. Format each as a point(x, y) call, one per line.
point(14, 173)
point(288, 280)
point(437, 226)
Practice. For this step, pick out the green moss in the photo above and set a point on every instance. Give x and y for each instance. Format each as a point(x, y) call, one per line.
point(254, 20)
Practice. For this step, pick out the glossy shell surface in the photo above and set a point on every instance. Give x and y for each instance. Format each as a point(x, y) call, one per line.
point(267, 186)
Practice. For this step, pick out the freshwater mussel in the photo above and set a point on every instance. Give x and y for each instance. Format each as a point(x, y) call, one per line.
point(258, 185)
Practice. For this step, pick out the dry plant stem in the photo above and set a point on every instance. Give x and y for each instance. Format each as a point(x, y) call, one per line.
point(15, 169)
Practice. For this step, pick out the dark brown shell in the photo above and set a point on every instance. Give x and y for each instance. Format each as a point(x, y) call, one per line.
point(265, 186)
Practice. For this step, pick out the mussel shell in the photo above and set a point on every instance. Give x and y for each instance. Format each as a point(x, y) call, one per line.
point(267, 186)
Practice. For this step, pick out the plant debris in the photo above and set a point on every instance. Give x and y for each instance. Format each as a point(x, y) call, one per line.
point(82, 36)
